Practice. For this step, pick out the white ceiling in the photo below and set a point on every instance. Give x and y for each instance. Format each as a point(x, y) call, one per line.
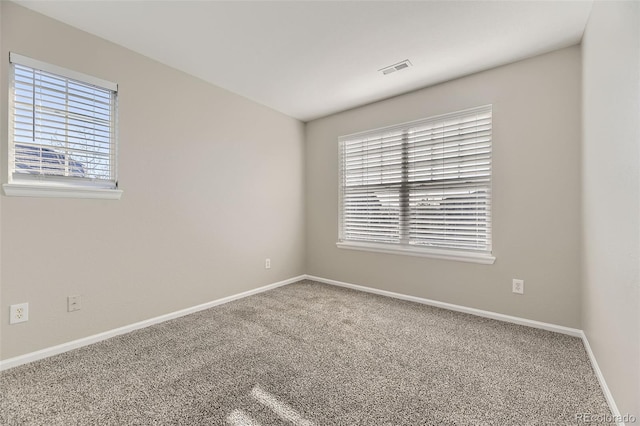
point(310, 59)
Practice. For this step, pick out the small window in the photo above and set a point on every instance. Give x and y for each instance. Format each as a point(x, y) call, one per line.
point(420, 188)
point(62, 132)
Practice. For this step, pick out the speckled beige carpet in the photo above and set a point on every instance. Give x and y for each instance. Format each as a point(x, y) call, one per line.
point(309, 354)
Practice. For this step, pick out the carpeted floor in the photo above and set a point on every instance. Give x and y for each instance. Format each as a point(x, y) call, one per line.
point(310, 354)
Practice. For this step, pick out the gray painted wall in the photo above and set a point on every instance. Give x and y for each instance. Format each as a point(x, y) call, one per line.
point(213, 185)
point(611, 197)
point(536, 193)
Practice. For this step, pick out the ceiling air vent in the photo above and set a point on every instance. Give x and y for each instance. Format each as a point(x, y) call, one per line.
point(395, 67)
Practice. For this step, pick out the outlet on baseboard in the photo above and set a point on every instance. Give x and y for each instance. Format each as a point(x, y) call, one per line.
point(18, 313)
point(518, 286)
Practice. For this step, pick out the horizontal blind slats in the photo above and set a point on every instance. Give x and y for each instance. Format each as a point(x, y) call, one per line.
point(62, 126)
point(59, 95)
point(441, 167)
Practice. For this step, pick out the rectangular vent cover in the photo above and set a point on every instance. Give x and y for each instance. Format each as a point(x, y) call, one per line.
point(395, 67)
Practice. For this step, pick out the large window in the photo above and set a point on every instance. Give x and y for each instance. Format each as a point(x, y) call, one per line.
point(62, 132)
point(421, 188)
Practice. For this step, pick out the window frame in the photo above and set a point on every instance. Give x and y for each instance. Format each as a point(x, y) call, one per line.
point(49, 185)
point(403, 247)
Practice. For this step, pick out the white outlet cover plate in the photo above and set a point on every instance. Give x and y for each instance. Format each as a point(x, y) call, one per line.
point(518, 286)
point(18, 313)
point(74, 303)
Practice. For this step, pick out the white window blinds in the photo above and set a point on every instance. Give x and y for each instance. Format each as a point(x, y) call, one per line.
point(425, 184)
point(62, 126)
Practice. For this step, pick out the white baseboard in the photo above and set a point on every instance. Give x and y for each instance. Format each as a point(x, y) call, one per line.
point(603, 384)
point(458, 308)
point(54, 350)
point(64, 347)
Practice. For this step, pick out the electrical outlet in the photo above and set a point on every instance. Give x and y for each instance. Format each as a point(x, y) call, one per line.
point(267, 264)
point(18, 313)
point(73, 303)
point(518, 286)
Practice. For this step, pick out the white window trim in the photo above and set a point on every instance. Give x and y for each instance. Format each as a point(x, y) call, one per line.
point(46, 186)
point(24, 190)
point(434, 253)
point(54, 69)
point(486, 258)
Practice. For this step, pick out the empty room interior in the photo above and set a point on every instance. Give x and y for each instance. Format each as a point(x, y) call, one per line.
point(320, 213)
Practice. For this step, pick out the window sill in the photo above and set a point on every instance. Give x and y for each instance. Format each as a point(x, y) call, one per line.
point(22, 190)
point(460, 256)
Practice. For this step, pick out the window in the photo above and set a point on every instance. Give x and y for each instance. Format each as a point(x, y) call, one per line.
point(420, 188)
point(62, 132)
